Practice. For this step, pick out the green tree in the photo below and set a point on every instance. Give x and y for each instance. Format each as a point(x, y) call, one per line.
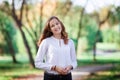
point(115, 20)
point(8, 31)
point(11, 11)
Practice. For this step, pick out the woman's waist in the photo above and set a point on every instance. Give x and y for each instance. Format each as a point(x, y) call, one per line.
point(55, 73)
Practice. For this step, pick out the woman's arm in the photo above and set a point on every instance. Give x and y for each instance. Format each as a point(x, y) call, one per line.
point(73, 54)
point(40, 56)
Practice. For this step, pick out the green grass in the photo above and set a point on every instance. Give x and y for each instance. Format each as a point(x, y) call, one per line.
point(107, 46)
point(87, 59)
point(10, 70)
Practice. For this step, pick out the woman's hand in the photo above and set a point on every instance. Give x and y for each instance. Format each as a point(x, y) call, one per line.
point(68, 68)
point(61, 70)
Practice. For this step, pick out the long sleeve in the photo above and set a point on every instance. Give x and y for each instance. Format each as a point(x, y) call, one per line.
point(40, 56)
point(73, 54)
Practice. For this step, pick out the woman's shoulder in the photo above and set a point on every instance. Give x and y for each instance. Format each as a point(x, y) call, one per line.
point(47, 40)
point(70, 40)
point(71, 43)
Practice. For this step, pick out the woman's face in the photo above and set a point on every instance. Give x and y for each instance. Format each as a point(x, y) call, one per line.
point(55, 27)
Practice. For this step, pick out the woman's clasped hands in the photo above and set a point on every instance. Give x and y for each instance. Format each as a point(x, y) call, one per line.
point(62, 70)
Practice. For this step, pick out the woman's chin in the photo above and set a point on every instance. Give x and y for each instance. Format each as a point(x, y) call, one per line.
point(57, 32)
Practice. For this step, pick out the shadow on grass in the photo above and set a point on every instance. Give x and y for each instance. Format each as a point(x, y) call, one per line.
point(23, 76)
point(10, 65)
point(112, 74)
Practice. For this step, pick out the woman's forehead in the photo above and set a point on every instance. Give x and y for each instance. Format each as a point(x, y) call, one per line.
point(53, 21)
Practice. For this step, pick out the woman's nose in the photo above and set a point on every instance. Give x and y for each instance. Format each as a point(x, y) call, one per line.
point(56, 26)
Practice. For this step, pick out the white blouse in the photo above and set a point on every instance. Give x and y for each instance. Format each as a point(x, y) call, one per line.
point(53, 51)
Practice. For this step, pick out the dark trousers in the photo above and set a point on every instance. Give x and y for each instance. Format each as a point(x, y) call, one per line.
point(48, 76)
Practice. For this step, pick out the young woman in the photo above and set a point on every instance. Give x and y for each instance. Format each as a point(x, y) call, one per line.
point(56, 54)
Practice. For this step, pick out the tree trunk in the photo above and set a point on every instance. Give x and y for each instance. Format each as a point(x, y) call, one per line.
point(80, 27)
point(34, 36)
point(19, 23)
point(12, 51)
point(99, 26)
point(34, 39)
point(27, 47)
point(80, 24)
point(94, 48)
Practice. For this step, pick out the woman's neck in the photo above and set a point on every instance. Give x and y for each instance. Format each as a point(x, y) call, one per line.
point(57, 36)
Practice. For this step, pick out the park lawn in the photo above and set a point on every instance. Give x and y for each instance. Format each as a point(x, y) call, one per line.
point(9, 70)
point(113, 74)
point(86, 59)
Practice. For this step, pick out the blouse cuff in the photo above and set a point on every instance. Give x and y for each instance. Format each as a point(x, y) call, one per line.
point(74, 65)
point(49, 67)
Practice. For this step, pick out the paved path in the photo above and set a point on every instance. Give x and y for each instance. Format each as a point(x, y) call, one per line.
point(77, 74)
point(87, 70)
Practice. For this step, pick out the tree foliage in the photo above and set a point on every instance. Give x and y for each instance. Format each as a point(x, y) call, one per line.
point(6, 25)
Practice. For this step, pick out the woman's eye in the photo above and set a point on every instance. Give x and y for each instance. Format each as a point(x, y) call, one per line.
point(52, 26)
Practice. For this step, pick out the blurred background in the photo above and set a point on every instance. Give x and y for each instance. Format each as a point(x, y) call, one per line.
point(94, 26)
